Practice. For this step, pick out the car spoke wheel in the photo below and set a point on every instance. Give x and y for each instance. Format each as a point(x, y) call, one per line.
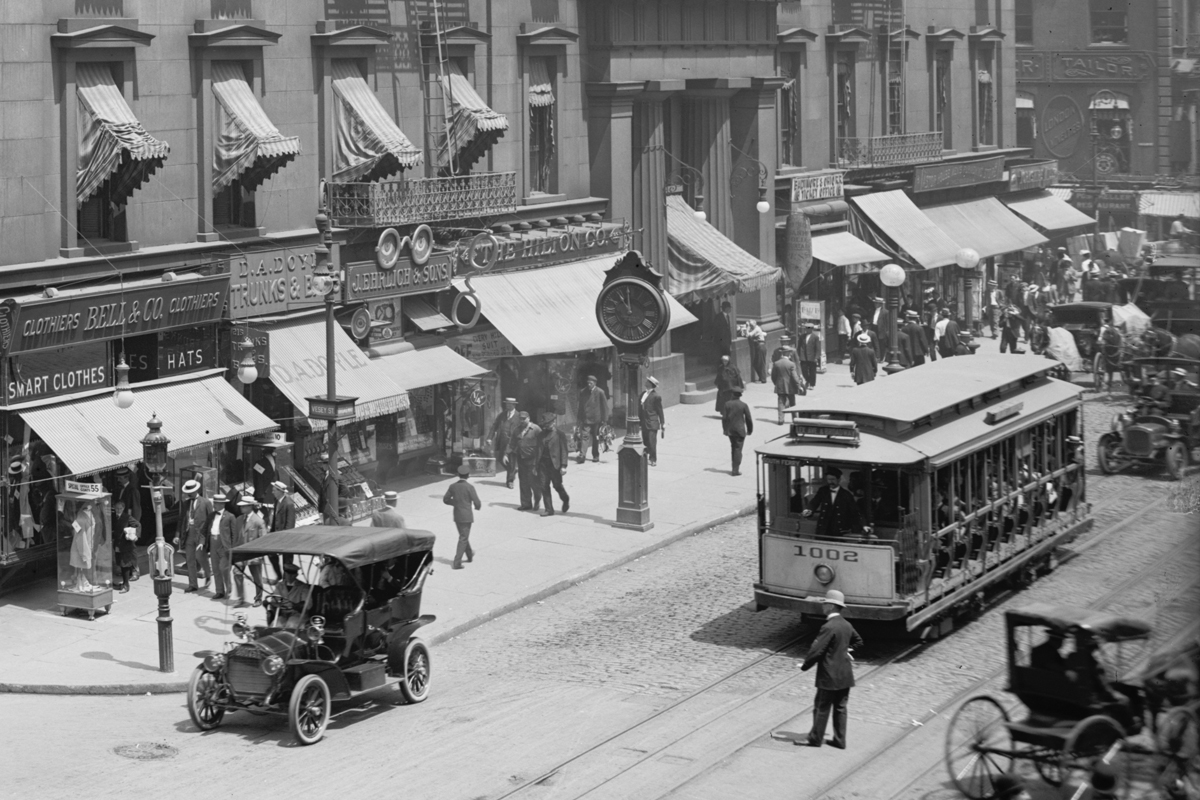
point(1107, 454)
point(977, 747)
point(1177, 460)
point(204, 690)
point(308, 711)
point(1179, 741)
point(417, 671)
point(1095, 739)
point(1047, 764)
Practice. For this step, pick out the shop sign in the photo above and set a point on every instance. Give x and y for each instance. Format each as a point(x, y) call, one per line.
point(816, 187)
point(52, 373)
point(258, 337)
point(482, 345)
point(186, 351)
point(544, 248)
point(75, 487)
point(1062, 126)
point(1031, 66)
point(1124, 201)
point(1083, 66)
point(366, 281)
point(928, 177)
point(1032, 176)
point(271, 282)
point(61, 321)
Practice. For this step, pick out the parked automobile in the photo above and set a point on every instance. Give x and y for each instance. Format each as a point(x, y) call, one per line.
point(1163, 427)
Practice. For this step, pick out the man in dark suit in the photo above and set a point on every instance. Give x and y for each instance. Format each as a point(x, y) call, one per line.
point(723, 330)
point(593, 412)
point(809, 354)
point(787, 382)
point(837, 512)
point(864, 363)
point(729, 377)
point(264, 473)
point(835, 670)
point(553, 454)
point(652, 419)
point(916, 337)
point(283, 518)
point(197, 517)
point(523, 450)
point(328, 501)
point(737, 424)
point(505, 424)
point(128, 494)
point(388, 516)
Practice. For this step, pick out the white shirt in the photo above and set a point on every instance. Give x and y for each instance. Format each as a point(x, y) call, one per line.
point(940, 327)
point(216, 525)
point(645, 394)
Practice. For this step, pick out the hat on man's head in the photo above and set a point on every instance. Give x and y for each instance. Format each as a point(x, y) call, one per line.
point(523, 415)
point(549, 417)
point(863, 338)
point(1085, 252)
point(592, 378)
point(512, 400)
point(220, 498)
point(464, 471)
point(736, 392)
point(124, 471)
point(247, 500)
point(653, 381)
point(280, 485)
point(288, 567)
point(1062, 249)
point(833, 597)
point(191, 487)
point(810, 324)
point(390, 497)
point(16, 466)
point(911, 314)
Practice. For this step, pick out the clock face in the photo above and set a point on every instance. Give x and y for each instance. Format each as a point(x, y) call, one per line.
point(631, 312)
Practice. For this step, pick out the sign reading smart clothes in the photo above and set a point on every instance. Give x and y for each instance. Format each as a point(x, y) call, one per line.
point(57, 372)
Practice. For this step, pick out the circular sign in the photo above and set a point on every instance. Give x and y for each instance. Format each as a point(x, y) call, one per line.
point(420, 245)
point(484, 250)
point(387, 250)
point(1062, 126)
point(1116, 132)
point(477, 397)
point(1106, 164)
point(360, 323)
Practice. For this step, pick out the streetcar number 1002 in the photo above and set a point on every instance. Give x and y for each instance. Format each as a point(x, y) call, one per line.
point(831, 553)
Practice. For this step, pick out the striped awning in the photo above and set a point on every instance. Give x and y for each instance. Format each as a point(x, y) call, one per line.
point(984, 225)
point(900, 220)
point(297, 368)
point(541, 90)
point(473, 126)
point(702, 263)
point(368, 146)
point(1169, 204)
point(249, 147)
point(93, 436)
point(113, 145)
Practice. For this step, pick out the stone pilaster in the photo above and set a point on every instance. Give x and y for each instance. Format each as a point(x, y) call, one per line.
point(706, 138)
point(610, 145)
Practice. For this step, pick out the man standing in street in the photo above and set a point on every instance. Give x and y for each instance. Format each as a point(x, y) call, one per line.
point(758, 351)
point(553, 454)
point(388, 516)
point(916, 337)
point(809, 354)
point(506, 423)
point(652, 419)
point(837, 513)
point(593, 412)
point(728, 379)
point(283, 518)
point(330, 515)
point(830, 653)
point(465, 500)
point(863, 363)
point(788, 383)
point(737, 424)
point(723, 333)
point(523, 449)
point(221, 536)
point(199, 514)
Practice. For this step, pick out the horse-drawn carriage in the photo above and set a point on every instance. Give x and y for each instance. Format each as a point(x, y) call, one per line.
point(1069, 667)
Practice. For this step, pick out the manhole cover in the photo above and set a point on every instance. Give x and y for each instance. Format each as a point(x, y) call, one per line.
point(146, 751)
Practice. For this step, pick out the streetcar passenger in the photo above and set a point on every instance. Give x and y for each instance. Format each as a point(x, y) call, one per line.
point(797, 502)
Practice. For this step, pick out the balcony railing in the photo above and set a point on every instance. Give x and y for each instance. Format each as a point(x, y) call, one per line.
point(375, 205)
point(900, 148)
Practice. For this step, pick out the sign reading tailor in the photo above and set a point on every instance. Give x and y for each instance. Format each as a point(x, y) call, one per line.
point(366, 281)
point(1083, 66)
point(95, 316)
point(816, 187)
point(52, 373)
point(271, 281)
point(928, 177)
point(1032, 176)
point(1062, 126)
point(543, 248)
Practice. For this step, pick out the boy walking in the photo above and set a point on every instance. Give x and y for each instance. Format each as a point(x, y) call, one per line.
point(465, 500)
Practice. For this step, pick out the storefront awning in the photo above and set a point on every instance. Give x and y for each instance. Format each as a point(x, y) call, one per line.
point(474, 126)
point(369, 145)
point(297, 368)
point(249, 147)
point(842, 249)
point(93, 436)
point(113, 145)
point(984, 225)
point(428, 367)
point(423, 315)
point(553, 309)
point(1047, 211)
point(1169, 204)
point(901, 221)
point(703, 263)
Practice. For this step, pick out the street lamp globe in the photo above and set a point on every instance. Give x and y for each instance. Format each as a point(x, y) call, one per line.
point(247, 369)
point(967, 258)
point(154, 447)
point(122, 396)
point(763, 206)
point(892, 275)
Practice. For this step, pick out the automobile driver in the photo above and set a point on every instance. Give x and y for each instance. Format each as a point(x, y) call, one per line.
point(292, 596)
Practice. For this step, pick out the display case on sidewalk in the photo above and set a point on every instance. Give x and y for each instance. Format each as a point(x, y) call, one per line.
point(85, 549)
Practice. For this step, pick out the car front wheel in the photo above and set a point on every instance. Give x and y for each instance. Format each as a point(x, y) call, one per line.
point(1177, 460)
point(1108, 454)
point(417, 671)
point(203, 708)
point(308, 711)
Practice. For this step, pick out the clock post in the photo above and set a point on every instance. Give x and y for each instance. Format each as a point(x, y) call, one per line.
point(633, 312)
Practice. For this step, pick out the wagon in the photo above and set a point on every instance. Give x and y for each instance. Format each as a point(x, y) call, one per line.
point(1084, 321)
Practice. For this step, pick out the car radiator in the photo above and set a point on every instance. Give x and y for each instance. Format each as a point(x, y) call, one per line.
point(1138, 441)
point(245, 672)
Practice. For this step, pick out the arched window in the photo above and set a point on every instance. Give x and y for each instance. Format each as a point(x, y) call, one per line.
point(1112, 126)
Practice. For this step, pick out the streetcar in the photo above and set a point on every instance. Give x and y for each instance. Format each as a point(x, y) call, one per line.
point(967, 474)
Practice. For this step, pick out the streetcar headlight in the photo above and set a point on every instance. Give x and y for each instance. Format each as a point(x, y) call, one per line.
point(272, 665)
point(214, 663)
point(824, 573)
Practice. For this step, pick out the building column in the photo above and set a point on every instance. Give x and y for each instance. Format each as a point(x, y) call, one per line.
point(610, 143)
point(706, 145)
point(649, 192)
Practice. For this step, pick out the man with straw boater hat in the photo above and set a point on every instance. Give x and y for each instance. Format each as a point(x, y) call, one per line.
point(830, 654)
point(197, 516)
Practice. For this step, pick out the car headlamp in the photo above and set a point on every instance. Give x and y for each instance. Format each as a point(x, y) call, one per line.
point(315, 632)
point(824, 574)
point(241, 629)
point(272, 665)
point(214, 662)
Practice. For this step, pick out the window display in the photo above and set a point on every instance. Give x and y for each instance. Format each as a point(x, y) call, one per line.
point(85, 549)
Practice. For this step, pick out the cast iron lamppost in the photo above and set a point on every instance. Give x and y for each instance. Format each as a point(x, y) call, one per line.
point(892, 276)
point(967, 260)
point(160, 554)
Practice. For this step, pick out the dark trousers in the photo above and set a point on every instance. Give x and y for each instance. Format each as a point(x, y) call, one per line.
point(736, 440)
point(464, 543)
point(593, 429)
point(918, 360)
point(197, 562)
point(758, 361)
point(1008, 339)
point(531, 490)
point(255, 577)
point(552, 477)
point(808, 369)
point(650, 439)
point(843, 347)
point(827, 699)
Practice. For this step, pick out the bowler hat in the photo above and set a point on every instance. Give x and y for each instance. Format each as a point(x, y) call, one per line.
point(834, 471)
point(833, 597)
point(548, 417)
point(191, 487)
point(290, 568)
point(464, 470)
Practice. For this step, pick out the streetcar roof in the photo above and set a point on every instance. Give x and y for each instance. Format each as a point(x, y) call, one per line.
point(1106, 626)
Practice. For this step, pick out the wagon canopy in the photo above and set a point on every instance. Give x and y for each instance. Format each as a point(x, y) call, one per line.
point(1108, 627)
point(353, 547)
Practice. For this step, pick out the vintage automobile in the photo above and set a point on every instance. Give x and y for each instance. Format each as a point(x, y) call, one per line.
point(1164, 425)
point(346, 625)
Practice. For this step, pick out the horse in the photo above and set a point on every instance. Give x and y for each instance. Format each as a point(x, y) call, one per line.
point(1164, 343)
point(1110, 346)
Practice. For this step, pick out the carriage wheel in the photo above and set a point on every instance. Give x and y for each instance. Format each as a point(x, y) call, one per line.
point(1095, 739)
point(978, 747)
point(1048, 766)
point(1179, 741)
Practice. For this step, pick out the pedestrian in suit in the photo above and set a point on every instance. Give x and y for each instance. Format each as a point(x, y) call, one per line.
point(246, 528)
point(593, 412)
point(221, 536)
point(124, 555)
point(830, 653)
point(904, 348)
point(465, 500)
point(737, 424)
point(128, 494)
point(809, 354)
point(916, 337)
point(652, 419)
point(758, 351)
point(788, 383)
point(264, 473)
point(388, 516)
point(723, 332)
point(505, 424)
point(729, 378)
point(837, 513)
point(863, 362)
point(553, 454)
point(283, 518)
point(523, 449)
point(197, 515)
point(329, 502)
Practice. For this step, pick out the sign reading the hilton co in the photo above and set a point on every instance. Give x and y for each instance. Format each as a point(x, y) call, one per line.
point(549, 246)
point(45, 323)
point(271, 281)
point(1032, 176)
point(928, 177)
point(1084, 66)
point(366, 281)
point(816, 187)
point(53, 373)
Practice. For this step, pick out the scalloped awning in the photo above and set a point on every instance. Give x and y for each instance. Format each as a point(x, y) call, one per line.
point(473, 126)
point(703, 263)
point(369, 145)
point(249, 147)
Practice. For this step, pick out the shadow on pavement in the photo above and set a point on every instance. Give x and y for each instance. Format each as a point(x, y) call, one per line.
point(747, 629)
point(99, 655)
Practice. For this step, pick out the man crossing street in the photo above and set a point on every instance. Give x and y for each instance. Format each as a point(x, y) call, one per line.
point(465, 500)
point(553, 455)
point(830, 654)
point(788, 383)
point(737, 425)
point(523, 449)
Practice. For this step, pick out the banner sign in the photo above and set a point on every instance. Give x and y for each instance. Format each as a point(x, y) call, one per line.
point(1084, 66)
point(929, 177)
point(550, 246)
point(816, 187)
point(366, 281)
point(1032, 176)
point(111, 313)
point(271, 282)
point(1120, 200)
point(482, 345)
point(52, 373)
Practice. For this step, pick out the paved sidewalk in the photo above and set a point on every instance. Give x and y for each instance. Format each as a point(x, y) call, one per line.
point(520, 558)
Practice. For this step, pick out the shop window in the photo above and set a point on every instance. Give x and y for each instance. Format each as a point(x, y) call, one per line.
point(789, 110)
point(1026, 120)
point(101, 218)
point(941, 97)
point(1110, 21)
point(894, 82)
point(1023, 22)
point(233, 207)
point(985, 98)
point(1111, 127)
point(844, 94)
point(543, 151)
